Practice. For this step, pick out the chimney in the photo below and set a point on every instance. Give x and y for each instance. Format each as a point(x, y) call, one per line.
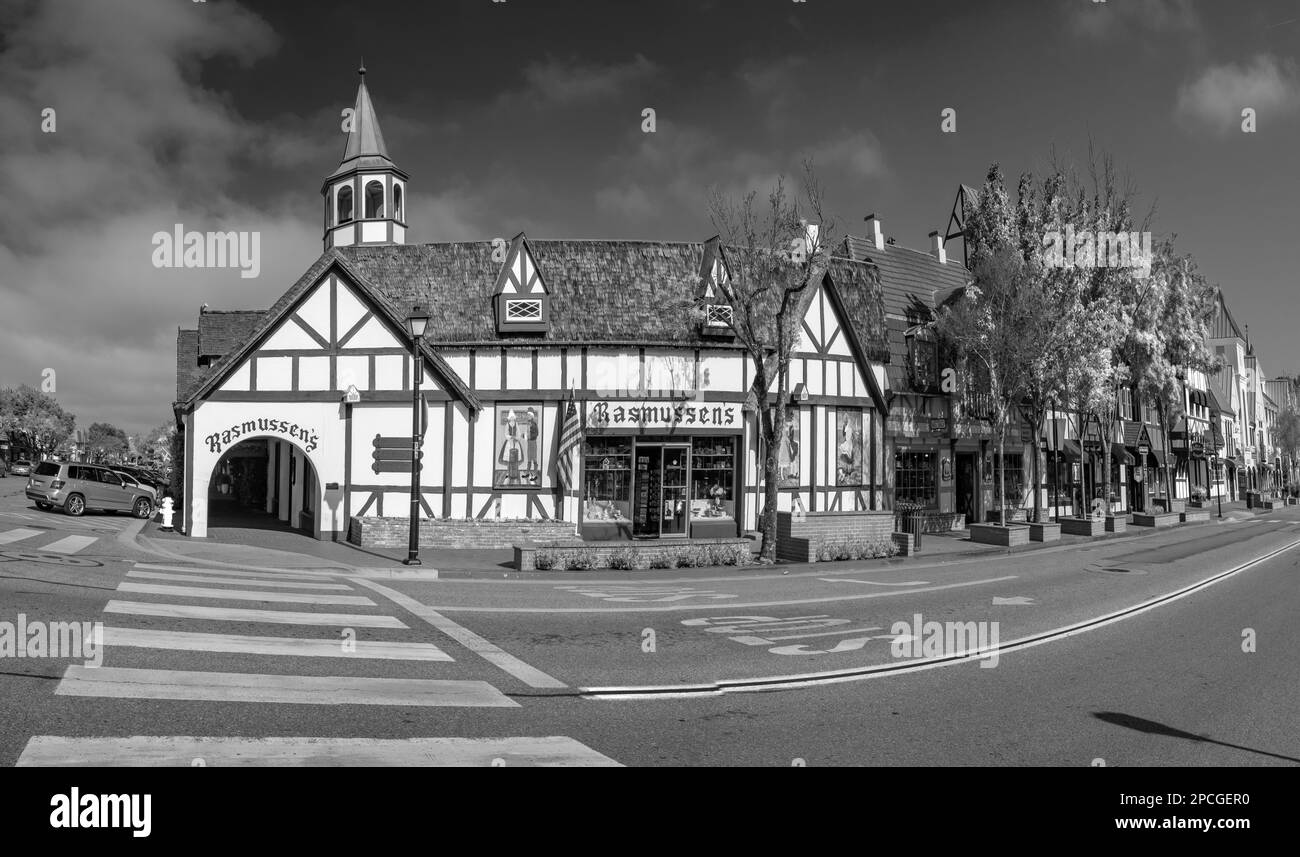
point(936, 248)
point(874, 235)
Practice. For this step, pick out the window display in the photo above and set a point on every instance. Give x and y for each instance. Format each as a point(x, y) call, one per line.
point(713, 474)
point(607, 479)
point(914, 479)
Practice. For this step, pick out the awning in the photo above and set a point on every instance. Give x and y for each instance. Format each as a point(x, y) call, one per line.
point(1070, 450)
point(1121, 455)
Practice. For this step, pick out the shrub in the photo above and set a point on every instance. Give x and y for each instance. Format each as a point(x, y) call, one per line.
point(682, 559)
point(579, 560)
point(622, 559)
point(661, 560)
point(855, 548)
point(701, 557)
point(544, 560)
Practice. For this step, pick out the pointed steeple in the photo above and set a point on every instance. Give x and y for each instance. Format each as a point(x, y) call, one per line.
point(365, 147)
point(365, 197)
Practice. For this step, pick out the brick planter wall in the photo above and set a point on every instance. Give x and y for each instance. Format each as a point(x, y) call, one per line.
point(1116, 524)
point(992, 534)
point(1083, 526)
point(1045, 532)
point(798, 540)
point(600, 552)
point(1196, 515)
point(1164, 519)
point(487, 535)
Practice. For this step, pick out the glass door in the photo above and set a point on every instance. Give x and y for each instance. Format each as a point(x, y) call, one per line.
point(675, 505)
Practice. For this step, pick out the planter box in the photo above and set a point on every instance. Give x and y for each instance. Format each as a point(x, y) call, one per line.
point(1161, 519)
point(1193, 515)
point(1270, 505)
point(645, 553)
point(905, 542)
point(992, 534)
point(1083, 526)
point(1116, 523)
point(1045, 532)
point(1018, 516)
point(1169, 506)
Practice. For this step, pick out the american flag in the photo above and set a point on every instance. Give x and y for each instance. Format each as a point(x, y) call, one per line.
point(570, 437)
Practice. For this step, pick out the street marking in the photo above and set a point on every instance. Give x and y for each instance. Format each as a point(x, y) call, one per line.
point(874, 582)
point(149, 751)
point(244, 594)
point(18, 535)
point(1019, 599)
point(828, 633)
point(241, 614)
point(530, 676)
point(70, 544)
point(630, 593)
point(227, 572)
point(190, 641)
point(275, 584)
point(458, 608)
point(123, 683)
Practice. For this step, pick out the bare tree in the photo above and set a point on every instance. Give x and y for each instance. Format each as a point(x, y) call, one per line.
point(773, 259)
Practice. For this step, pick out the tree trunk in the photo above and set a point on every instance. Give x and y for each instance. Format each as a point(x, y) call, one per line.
point(1039, 418)
point(1002, 474)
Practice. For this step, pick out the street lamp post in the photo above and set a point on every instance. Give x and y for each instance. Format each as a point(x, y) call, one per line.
point(416, 322)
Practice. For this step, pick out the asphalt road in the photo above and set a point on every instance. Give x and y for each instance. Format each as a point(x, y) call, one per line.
point(516, 661)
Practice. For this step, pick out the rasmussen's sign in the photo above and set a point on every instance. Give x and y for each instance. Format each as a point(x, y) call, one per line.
point(660, 415)
point(220, 439)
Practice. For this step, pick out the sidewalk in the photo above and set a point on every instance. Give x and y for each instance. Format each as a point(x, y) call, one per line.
point(283, 548)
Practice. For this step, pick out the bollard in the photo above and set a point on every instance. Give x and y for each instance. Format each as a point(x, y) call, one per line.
point(166, 512)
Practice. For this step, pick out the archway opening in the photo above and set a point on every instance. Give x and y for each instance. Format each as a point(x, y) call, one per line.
point(263, 483)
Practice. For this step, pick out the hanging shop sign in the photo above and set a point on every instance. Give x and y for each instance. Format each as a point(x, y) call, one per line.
point(663, 416)
point(305, 435)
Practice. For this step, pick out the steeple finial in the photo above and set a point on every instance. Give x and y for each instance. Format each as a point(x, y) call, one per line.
point(362, 71)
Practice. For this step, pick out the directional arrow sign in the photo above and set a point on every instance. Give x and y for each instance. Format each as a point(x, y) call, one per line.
point(1019, 599)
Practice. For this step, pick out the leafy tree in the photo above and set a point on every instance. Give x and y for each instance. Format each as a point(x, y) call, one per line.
point(1286, 433)
point(772, 258)
point(105, 442)
point(35, 418)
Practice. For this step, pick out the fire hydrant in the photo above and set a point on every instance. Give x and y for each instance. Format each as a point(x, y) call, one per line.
point(166, 512)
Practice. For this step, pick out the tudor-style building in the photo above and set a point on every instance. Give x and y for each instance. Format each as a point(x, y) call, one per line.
point(304, 410)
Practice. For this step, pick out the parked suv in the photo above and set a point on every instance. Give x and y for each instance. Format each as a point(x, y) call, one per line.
point(75, 487)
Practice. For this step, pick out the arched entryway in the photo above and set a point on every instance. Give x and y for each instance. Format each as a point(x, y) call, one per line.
point(264, 482)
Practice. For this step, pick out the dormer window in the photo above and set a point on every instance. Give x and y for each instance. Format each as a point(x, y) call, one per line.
point(374, 199)
point(718, 315)
point(523, 309)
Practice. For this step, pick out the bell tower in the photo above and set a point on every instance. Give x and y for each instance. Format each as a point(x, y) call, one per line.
point(365, 198)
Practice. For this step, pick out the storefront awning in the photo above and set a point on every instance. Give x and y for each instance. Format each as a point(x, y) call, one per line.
point(1121, 455)
point(1070, 450)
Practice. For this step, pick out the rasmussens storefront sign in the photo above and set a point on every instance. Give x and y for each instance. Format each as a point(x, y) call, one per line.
point(659, 415)
point(221, 439)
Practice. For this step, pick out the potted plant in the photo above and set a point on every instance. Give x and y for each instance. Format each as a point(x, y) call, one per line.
point(1196, 497)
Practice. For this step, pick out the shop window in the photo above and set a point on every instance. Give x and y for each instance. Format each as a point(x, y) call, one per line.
point(713, 478)
point(787, 453)
point(914, 479)
point(374, 199)
point(607, 479)
point(345, 205)
point(1015, 480)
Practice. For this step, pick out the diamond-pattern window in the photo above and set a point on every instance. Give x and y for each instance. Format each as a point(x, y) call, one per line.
point(523, 310)
point(718, 315)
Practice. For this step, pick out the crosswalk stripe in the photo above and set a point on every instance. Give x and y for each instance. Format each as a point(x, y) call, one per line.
point(228, 572)
point(243, 594)
point(190, 641)
point(150, 751)
point(274, 584)
point(17, 535)
point(123, 683)
point(242, 614)
point(70, 544)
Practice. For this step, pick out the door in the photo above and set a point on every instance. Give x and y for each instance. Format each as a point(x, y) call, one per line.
point(675, 503)
point(647, 499)
point(966, 486)
point(112, 493)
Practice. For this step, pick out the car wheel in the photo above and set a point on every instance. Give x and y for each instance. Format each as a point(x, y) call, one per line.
point(75, 505)
point(143, 508)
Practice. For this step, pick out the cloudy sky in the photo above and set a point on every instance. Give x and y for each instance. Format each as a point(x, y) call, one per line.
point(527, 115)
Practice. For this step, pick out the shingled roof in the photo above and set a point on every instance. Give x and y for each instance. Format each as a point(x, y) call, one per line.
point(909, 279)
point(222, 331)
point(600, 291)
point(188, 370)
